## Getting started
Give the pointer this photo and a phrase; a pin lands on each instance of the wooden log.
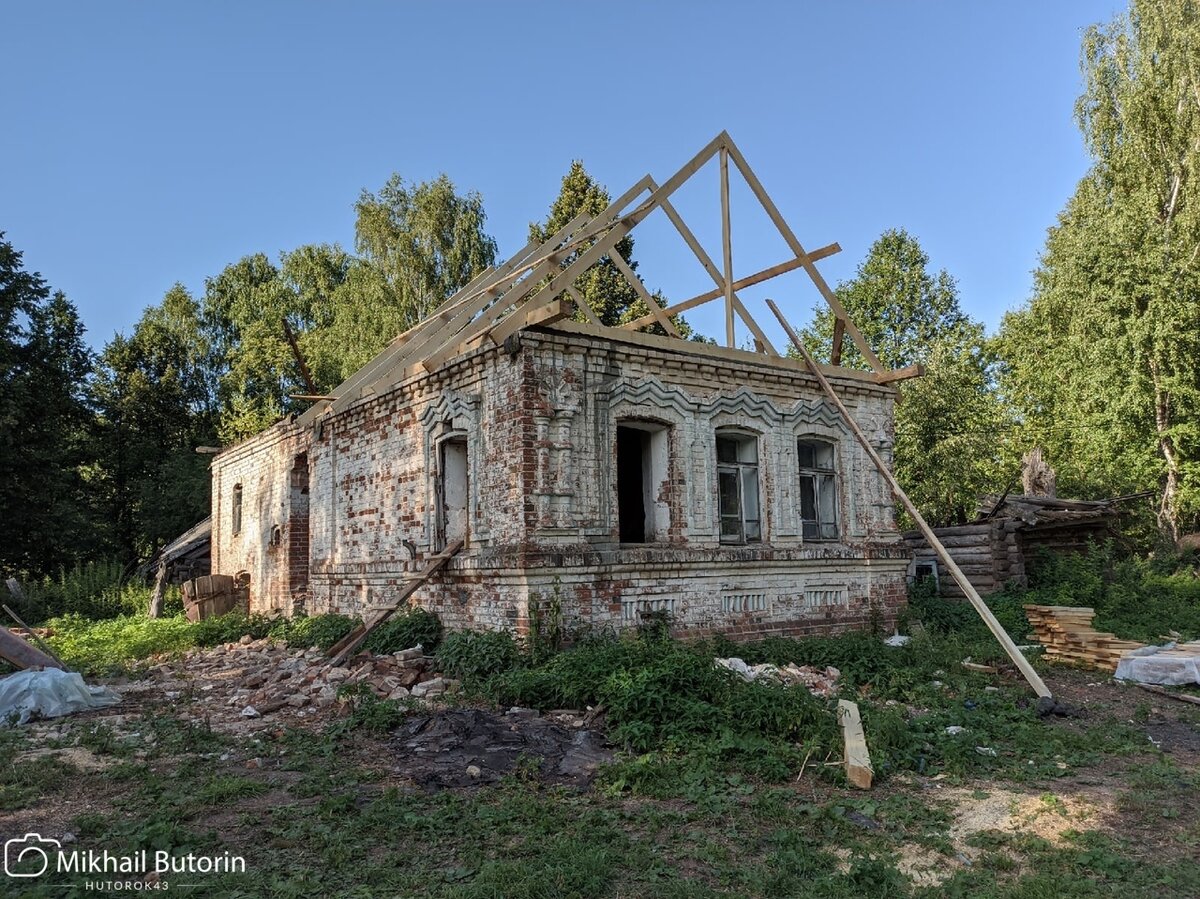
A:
(961, 530)
(159, 595)
(967, 540)
(29, 631)
(857, 759)
(42, 644)
(23, 654)
(839, 333)
(900, 374)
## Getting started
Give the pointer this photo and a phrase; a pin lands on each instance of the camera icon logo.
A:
(31, 853)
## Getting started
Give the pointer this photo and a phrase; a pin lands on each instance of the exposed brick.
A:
(542, 509)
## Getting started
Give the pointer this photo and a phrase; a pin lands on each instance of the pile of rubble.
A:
(256, 678)
(821, 682)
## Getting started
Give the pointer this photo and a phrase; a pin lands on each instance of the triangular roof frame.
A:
(536, 287)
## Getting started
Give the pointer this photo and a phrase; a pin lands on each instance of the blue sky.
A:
(149, 143)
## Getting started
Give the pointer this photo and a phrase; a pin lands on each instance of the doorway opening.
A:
(643, 512)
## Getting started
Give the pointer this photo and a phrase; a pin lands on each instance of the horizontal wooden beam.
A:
(717, 355)
(749, 281)
(900, 374)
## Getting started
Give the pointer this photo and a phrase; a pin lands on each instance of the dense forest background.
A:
(1100, 367)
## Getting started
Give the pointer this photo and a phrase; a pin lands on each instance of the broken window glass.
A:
(737, 488)
(818, 490)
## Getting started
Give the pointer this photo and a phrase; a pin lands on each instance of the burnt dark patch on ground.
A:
(472, 747)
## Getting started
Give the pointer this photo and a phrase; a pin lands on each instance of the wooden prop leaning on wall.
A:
(965, 585)
(344, 648)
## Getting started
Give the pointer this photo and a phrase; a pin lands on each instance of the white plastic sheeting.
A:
(48, 693)
(1159, 665)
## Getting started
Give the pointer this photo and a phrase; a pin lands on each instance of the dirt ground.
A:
(456, 750)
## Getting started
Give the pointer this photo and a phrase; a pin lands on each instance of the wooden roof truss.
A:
(537, 286)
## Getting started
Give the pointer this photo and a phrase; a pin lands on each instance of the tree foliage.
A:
(46, 515)
(1104, 363)
(602, 286)
(900, 307)
(947, 423)
(419, 244)
(425, 241)
(155, 401)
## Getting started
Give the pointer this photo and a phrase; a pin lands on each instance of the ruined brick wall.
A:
(540, 425)
(271, 544)
(582, 388)
(375, 469)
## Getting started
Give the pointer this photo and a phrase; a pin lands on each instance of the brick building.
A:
(594, 472)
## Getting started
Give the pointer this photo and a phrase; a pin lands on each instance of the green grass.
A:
(121, 643)
(701, 801)
(318, 819)
(97, 589)
(1135, 598)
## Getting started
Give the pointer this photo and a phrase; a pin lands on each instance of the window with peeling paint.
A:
(818, 490)
(737, 487)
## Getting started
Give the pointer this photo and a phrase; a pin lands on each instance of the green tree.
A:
(425, 240)
(418, 243)
(948, 422)
(155, 402)
(602, 286)
(243, 310)
(900, 307)
(953, 431)
(46, 518)
(1104, 362)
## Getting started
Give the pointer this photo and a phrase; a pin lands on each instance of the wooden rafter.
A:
(796, 247)
(582, 305)
(723, 285)
(636, 283)
(537, 286)
(749, 281)
(727, 246)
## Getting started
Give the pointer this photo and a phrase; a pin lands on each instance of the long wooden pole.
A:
(34, 637)
(965, 585)
(727, 247)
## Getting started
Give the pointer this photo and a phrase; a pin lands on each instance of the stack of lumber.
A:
(1068, 635)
